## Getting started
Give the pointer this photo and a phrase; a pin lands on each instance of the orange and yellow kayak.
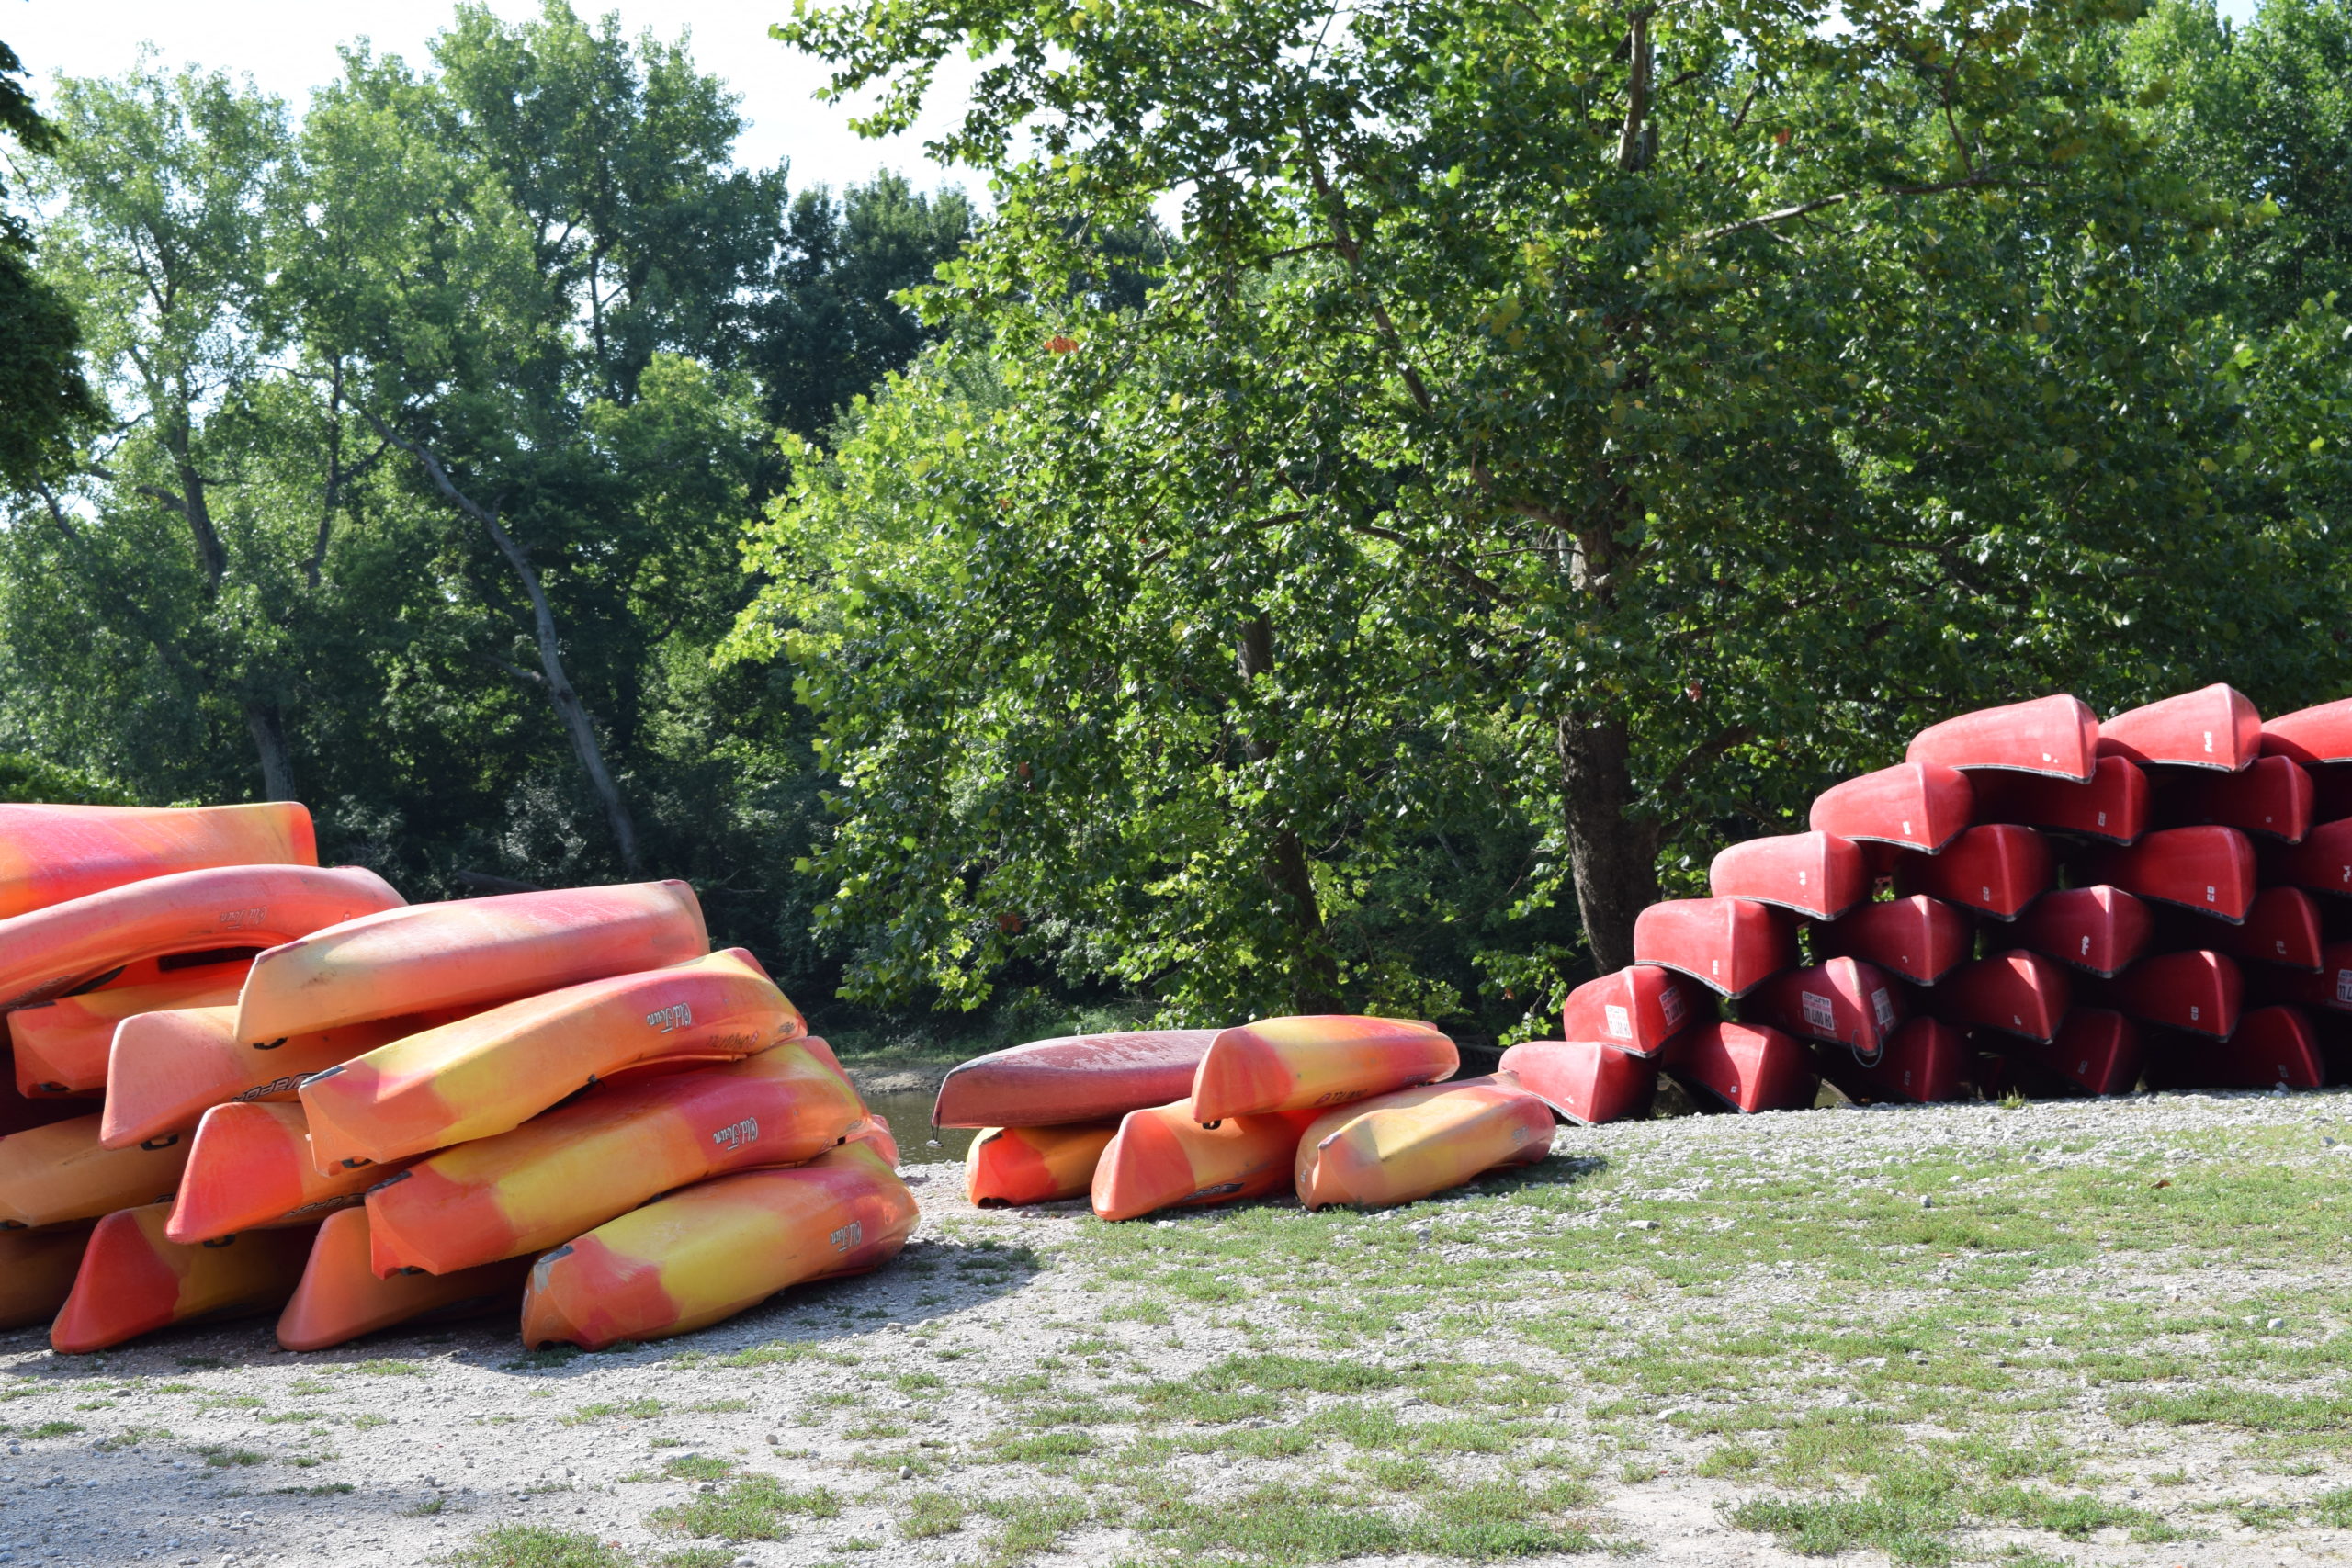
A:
(1396, 1148)
(1034, 1164)
(61, 1046)
(705, 1254)
(1164, 1159)
(50, 1175)
(494, 1071)
(134, 1280)
(37, 1270)
(341, 1298)
(876, 1135)
(1313, 1063)
(50, 951)
(617, 1147)
(50, 854)
(472, 952)
(249, 1167)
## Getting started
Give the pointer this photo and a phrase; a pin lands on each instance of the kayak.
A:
(2323, 862)
(1637, 1008)
(1164, 1157)
(1312, 1063)
(2312, 736)
(54, 950)
(2200, 992)
(2210, 870)
(37, 1270)
(2056, 736)
(2017, 992)
(52, 854)
(1395, 1148)
(51, 1175)
(2114, 807)
(249, 1167)
(2274, 797)
(1842, 1002)
(1816, 874)
(1914, 805)
(1750, 1067)
(496, 1069)
(472, 953)
(2274, 1047)
(1995, 868)
(1727, 944)
(18, 1112)
(1006, 1165)
(2097, 1049)
(134, 1280)
(339, 1297)
(2102, 930)
(61, 1046)
(615, 1147)
(701, 1256)
(873, 1132)
(1918, 938)
(1925, 1060)
(1074, 1077)
(2213, 726)
(1585, 1080)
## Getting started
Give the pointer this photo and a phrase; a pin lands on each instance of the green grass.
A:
(753, 1509)
(932, 1514)
(536, 1546)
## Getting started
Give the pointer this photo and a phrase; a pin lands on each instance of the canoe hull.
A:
(2274, 1047)
(2102, 931)
(2056, 736)
(62, 1046)
(2017, 992)
(249, 1167)
(2273, 798)
(2210, 870)
(1587, 1081)
(1638, 1008)
(2213, 728)
(1816, 874)
(1729, 945)
(2199, 992)
(2097, 1050)
(1914, 805)
(1842, 1002)
(1748, 1068)
(2313, 736)
(1076, 1078)
(1916, 938)
(2115, 805)
(1995, 869)
(1924, 1061)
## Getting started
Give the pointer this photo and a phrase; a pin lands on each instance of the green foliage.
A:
(32, 779)
(44, 400)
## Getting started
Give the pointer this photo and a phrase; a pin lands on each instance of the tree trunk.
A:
(267, 724)
(1613, 856)
(1317, 984)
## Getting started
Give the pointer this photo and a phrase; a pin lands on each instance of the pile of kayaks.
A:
(246, 1084)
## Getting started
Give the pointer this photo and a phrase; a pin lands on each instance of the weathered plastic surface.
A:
(249, 1167)
(1925, 1060)
(2199, 992)
(37, 1270)
(61, 1046)
(1074, 1077)
(1730, 945)
(2115, 807)
(2329, 986)
(2101, 929)
(2321, 862)
(1916, 806)
(1164, 1157)
(1750, 1067)
(51, 855)
(1638, 1008)
(2210, 870)
(1917, 938)
(2097, 1049)
(1816, 874)
(2057, 736)
(339, 1297)
(1006, 1165)
(1394, 1148)
(52, 1175)
(1316, 1062)
(1586, 1082)
(469, 954)
(2272, 798)
(1841, 1002)
(701, 1256)
(2312, 736)
(873, 1132)
(134, 1280)
(2274, 1047)
(1996, 869)
(19, 1112)
(2017, 992)
(2214, 727)
(2282, 926)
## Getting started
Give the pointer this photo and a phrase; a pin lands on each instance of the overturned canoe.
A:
(339, 1297)
(2210, 870)
(2282, 926)
(2321, 862)
(2017, 992)
(1394, 1148)
(701, 1256)
(1816, 874)
(1924, 1061)
(61, 1046)
(1638, 1008)
(1164, 1157)
(249, 1167)
(1074, 1077)
(2329, 987)
(50, 1175)
(471, 953)
(615, 1147)
(2213, 728)
(1914, 805)
(1006, 1165)
(2273, 798)
(1585, 1080)
(51, 855)
(2114, 806)
(1729, 945)
(135, 1279)
(2102, 930)
(2199, 992)
(1841, 1002)
(1750, 1067)
(2097, 1049)
(1916, 937)
(2312, 736)
(1315, 1062)
(1996, 869)
(37, 1270)
(2056, 736)
(2273, 1047)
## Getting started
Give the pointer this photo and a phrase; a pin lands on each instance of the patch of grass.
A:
(696, 1557)
(2334, 1509)
(382, 1369)
(219, 1456)
(636, 1409)
(131, 1438)
(1040, 1448)
(930, 1514)
(325, 1489)
(1286, 1524)
(427, 1509)
(753, 1509)
(1030, 1526)
(537, 1546)
(721, 1406)
(299, 1386)
(53, 1429)
(698, 1467)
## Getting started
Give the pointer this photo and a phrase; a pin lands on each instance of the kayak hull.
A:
(53, 1175)
(1638, 1008)
(52, 854)
(1842, 1002)
(2056, 736)
(2100, 930)
(339, 1298)
(1164, 1157)
(62, 1046)
(1729, 945)
(2213, 728)
(1994, 868)
(2017, 992)
(1916, 938)
(2210, 870)
(249, 1167)
(1587, 1081)
(1914, 805)
(37, 1270)
(1313, 1063)
(1395, 1148)
(1816, 874)
(134, 1280)
(1076, 1078)
(1750, 1067)
(1008, 1166)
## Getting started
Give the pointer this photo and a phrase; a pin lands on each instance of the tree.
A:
(43, 398)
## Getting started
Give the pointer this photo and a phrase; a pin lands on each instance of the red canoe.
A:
(2114, 806)
(2097, 1050)
(1918, 938)
(2102, 929)
(2200, 992)
(1843, 1002)
(2210, 870)
(1076, 1077)
(1727, 944)
(1584, 1080)
(2323, 862)
(1638, 1008)
(1918, 806)
(2056, 736)
(1925, 1060)
(2213, 726)
(2275, 1047)
(2017, 992)
(2282, 926)
(1817, 875)
(1745, 1066)
(2329, 987)
(2273, 798)
(1998, 868)
(2312, 736)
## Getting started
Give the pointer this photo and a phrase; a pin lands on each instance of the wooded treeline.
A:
(1553, 440)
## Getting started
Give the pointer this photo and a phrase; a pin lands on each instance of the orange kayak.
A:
(1396, 1148)
(341, 1298)
(1074, 1077)
(59, 1173)
(134, 1280)
(249, 1167)
(876, 1135)
(61, 1046)
(701, 1256)
(51, 951)
(617, 1147)
(50, 854)
(1034, 1164)
(494, 1071)
(37, 1270)
(1164, 1157)
(18, 1111)
(468, 953)
(1313, 1063)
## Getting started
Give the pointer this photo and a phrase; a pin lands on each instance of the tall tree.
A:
(43, 398)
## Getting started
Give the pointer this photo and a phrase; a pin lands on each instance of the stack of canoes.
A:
(266, 1087)
(1338, 1109)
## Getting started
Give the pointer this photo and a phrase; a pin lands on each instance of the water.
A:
(908, 1113)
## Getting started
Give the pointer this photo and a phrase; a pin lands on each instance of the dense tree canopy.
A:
(43, 398)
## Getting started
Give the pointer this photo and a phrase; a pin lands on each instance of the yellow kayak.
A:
(1164, 1159)
(340, 1298)
(249, 1167)
(61, 1046)
(37, 1270)
(1398, 1148)
(50, 1175)
(134, 1280)
(1314, 1063)
(1034, 1164)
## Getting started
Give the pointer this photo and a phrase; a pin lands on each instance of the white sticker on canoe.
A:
(1819, 1016)
(849, 1235)
(1620, 1023)
(1883, 1005)
(2208, 893)
(745, 1131)
(666, 1019)
(2209, 743)
(1670, 1002)
(2344, 986)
